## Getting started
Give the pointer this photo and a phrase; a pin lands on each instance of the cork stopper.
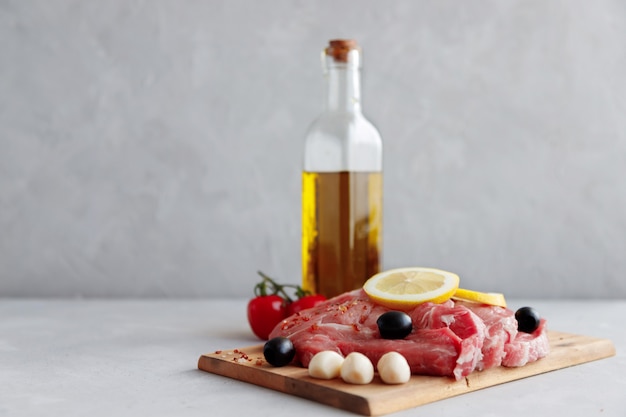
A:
(339, 49)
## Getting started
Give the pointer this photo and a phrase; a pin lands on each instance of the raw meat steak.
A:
(452, 338)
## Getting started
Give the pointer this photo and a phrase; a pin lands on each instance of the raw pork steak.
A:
(450, 339)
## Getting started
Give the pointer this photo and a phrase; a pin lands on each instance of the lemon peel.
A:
(490, 298)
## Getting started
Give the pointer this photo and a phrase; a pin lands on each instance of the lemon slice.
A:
(405, 288)
(491, 298)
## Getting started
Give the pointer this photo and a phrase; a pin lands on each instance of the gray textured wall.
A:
(153, 148)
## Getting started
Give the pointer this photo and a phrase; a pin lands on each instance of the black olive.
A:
(394, 325)
(279, 351)
(527, 319)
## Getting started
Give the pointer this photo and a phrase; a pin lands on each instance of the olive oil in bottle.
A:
(341, 184)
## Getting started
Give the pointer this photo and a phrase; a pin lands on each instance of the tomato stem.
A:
(261, 289)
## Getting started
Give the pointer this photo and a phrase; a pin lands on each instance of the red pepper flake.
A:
(314, 327)
(242, 359)
(356, 327)
(259, 362)
(217, 352)
(236, 350)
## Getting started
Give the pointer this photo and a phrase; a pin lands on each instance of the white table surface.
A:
(139, 357)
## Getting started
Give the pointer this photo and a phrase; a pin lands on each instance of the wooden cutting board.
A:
(247, 364)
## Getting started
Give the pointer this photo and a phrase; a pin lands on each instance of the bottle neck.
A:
(343, 88)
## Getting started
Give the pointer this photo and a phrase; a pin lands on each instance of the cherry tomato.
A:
(305, 302)
(264, 313)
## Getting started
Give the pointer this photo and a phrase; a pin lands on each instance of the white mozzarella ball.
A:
(393, 368)
(326, 365)
(357, 369)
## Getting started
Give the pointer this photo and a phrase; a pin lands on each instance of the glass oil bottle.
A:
(342, 183)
